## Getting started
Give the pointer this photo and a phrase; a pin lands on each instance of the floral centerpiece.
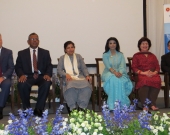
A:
(89, 123)
(122, 120)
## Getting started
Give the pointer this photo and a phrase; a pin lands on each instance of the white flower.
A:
(100, 128)
(100, 120)
(9, 121)
(99, 117)
(155, 131)
(83, 133)
(77, 125)
(161, 128)
(167, 122)
(72, 120)
(155, 117)
(96, 120)
(79, 130)
(2, 132)
(88, 115)
(96, 130)
(107, 129)
(165, 115)
(89, 127)
(64, 123)
(151, 127)
(83, 124)
(97, 124)
(163, 119)
(65, 119)
(37, 119)
(94, 133)
(72, 125)
(85, 129)
(80, 120)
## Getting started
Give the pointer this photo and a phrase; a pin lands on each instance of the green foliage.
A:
(31, 131)
(134, 126)
(49, 127)
(2, 127)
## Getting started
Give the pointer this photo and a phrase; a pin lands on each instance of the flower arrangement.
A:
(122, 120)
(160, 125)
(89, 123)
(125, 121)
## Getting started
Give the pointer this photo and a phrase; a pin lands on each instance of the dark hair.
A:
(31, 35)
(68, 43)
(142, 40)
(107, 44)
(168, 42)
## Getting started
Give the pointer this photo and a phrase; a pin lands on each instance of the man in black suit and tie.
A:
(6, 70)
(165, 61)
(33, 67)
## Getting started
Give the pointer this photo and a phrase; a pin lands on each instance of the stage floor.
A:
(7, 110)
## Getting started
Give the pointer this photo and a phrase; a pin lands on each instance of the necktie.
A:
(35, 65)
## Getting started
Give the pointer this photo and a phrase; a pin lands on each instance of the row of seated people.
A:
(72, 68)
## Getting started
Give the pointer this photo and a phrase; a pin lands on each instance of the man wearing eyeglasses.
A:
(33, 67)
(6, 70)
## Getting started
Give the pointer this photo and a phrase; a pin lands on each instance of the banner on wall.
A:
(166, 25)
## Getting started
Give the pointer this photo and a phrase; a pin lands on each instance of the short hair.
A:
(107, 44)
(31, 35)
(68, 43)
(142, 40)
(167, 43)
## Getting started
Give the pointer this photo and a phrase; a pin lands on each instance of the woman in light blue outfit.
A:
(117, 84)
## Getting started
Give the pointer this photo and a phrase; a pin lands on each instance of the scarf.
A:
(69, 68)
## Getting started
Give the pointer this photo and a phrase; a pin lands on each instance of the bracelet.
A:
(139, 72)
(156, 72)
(112, 70)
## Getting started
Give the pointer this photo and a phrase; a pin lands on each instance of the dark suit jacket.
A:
(6, 61)
(165, 63)
(24, 66)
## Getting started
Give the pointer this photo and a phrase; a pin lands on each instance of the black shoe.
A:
(1, 115)
(38, 112)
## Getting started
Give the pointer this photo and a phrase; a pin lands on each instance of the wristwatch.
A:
(4, 77)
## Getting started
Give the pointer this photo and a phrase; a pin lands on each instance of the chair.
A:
(14, 81)
(51, 95)
(164, 83)
(100, 92)
(134, 79)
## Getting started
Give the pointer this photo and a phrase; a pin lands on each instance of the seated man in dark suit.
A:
(6, 70)
(165, 61)
(33, 67)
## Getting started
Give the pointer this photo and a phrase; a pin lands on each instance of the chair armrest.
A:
(133, 76)
(98, 80)
(166, 78)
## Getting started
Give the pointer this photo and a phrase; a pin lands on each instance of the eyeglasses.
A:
(34, 39)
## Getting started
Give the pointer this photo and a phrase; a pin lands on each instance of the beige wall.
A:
(88, 23)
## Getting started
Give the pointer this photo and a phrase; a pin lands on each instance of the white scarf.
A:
(69, 68)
